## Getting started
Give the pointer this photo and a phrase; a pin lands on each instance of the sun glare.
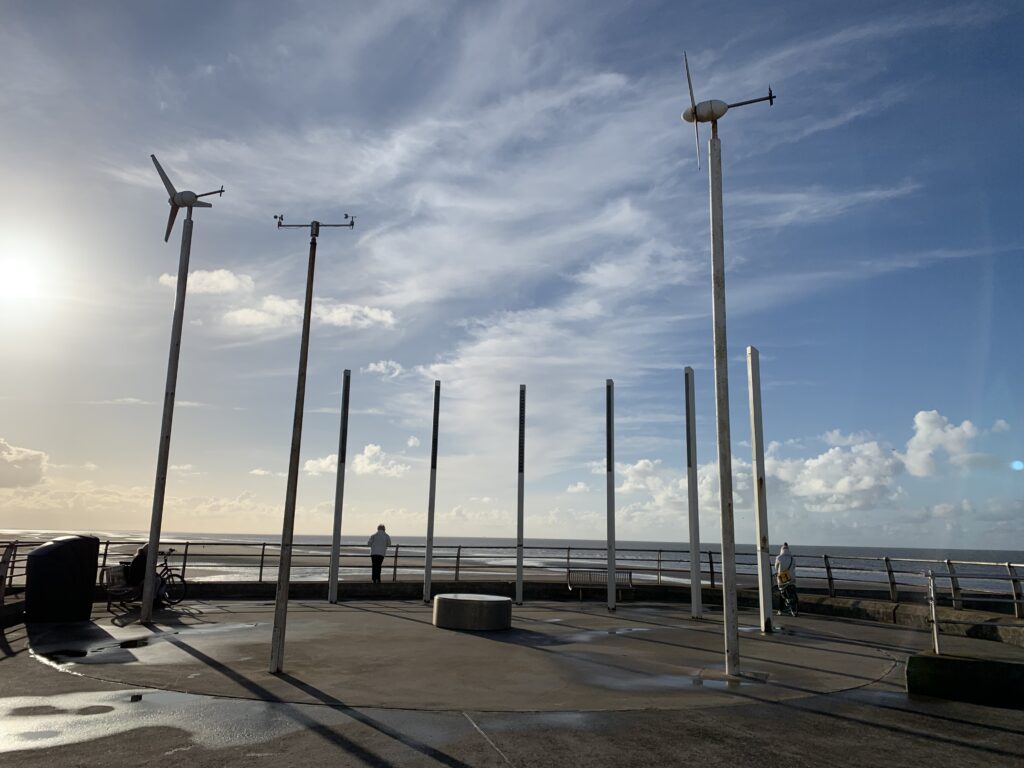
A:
(19, 281)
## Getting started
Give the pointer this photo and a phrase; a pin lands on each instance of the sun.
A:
(19, 281)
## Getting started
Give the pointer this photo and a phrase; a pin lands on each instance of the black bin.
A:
(60, 578)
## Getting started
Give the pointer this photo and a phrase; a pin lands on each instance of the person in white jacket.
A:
(785, 576)
(378, 544)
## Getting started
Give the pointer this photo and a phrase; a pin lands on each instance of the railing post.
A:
(14, 563)
(263, 553)
(1018, 606)
(954, 586)
(184, 560)
(568, 563)
(828, 575)
(894, 596)
(458, 561)
(935, 619)
(106, 546)
(659, 566)
(711, 567)
(394, 567)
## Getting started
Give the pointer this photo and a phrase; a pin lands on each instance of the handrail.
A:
(969, 581)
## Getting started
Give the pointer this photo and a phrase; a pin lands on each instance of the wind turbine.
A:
(177, 200)
(711, 112)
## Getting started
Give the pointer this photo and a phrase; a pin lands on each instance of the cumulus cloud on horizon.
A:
(21, 467)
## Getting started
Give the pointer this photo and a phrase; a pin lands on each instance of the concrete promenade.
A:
(374, 683)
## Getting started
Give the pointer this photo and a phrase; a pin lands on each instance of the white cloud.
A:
(90, 466)
(578, 487)
(933, 431)
(20, 467)
(211, 281)
(1001, 425)
(120, 401)
(843, 478)
(374, 461)
(413, 442)
(371, 461)
(322, 466)
(267, 473)
(273, 312)
(388, 369)
(836, 437)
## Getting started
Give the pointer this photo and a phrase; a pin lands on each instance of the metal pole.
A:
(285, 562)
(764, 560)
(339, 493)
(933, 612)
(696, 599)
(610, 449)
(429, 553)
(519, 513)
(156, 520)
(732, 639)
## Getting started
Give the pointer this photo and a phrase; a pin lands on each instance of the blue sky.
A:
(529, 211)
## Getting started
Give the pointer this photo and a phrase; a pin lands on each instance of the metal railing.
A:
(933, 605)
(962, 583)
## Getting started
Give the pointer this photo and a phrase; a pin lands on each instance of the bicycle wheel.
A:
(174, 588)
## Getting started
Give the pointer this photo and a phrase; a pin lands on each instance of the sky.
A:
(529, 210)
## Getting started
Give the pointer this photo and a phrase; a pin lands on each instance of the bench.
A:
(581, 579)
(117, 588)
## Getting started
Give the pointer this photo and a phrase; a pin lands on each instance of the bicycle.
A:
(171, 586)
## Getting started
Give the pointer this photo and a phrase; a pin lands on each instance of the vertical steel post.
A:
(764, 559)
(730, 629)
(696, 598)
(828, 575)
(519, 506)
(288, 528)
(954, 586)
(429, 552)
(164, 452)
(933, 612)
(610, 486)
(339, 491)
(458, 561)
(263, 555)
(184, 560)
(1018, 606)
(894, 594)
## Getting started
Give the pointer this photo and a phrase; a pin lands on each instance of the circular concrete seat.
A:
(480, 612)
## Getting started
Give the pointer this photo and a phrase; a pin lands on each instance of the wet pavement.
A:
(374, 683)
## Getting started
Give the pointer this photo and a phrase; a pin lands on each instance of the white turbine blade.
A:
(693, 106)
(170, 221)
(689, 84)
(171, 191)
(696, 140)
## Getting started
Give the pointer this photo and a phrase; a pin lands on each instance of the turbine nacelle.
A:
(711, 111)
(183, 199)
(707, 111)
